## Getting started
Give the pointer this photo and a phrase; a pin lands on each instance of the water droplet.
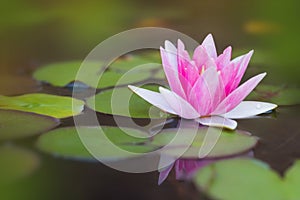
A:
(161, 114)
(258, 106)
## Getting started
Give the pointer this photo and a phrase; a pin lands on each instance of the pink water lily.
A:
(205, 87)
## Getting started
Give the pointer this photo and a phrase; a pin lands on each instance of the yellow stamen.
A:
(202, 70)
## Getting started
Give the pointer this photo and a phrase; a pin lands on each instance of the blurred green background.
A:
(39, 32)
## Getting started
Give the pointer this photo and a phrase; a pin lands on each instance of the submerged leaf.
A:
(16, 163)
(276, 94)
(44, 104)
(16, 124)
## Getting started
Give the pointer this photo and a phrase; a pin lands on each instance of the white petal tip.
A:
(217, 121)
(248, 109)
(133, 88)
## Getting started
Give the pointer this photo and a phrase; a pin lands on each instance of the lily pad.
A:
(16, 163)
(276, 94)
(160, 74)
(220, 143)
(292, 181)
(61, 74)
(131, 61)
(45, 104)
(67, 142)
(240, 178)
(123, 102)
(17, 124)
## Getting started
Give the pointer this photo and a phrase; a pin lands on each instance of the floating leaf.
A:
(221, 143)
(112, 78)
(68, 142)
(292, 181)
(160, 74)
(45, 104)
(61, 74)
(129, 62)
(240, 178)
(16, 163)
(275, 94)
(124, 103)
(17, 124)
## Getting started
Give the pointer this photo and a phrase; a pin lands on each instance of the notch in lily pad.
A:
(244, 178)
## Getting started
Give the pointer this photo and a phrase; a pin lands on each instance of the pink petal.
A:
(187, 70)
(242, 69)
(248, 109)
(224, 59)
(183, 57)
(164, 174)
(170, 55)
(179, 105)
(217, 121)
(154, 98)
(210, 47)
(233, 72)
(202, 59)
(207, 92)
(236, 97)
(171, 71)
(184, 169)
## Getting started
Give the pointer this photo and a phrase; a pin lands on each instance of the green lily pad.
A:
(124, 103)
(61, 74)
(17, 124)
(240, 178)
(16, 163)
(67, 142)
(292, 181)
(45, 104)
(276, 94)
(220, 143)
(160, 74)
(129, 62)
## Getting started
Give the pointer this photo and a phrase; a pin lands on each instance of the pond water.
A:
(38, 33)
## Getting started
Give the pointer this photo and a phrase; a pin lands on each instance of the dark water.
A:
(59, 178)
(34, 33)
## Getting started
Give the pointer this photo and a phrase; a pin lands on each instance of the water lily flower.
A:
(205, 87)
